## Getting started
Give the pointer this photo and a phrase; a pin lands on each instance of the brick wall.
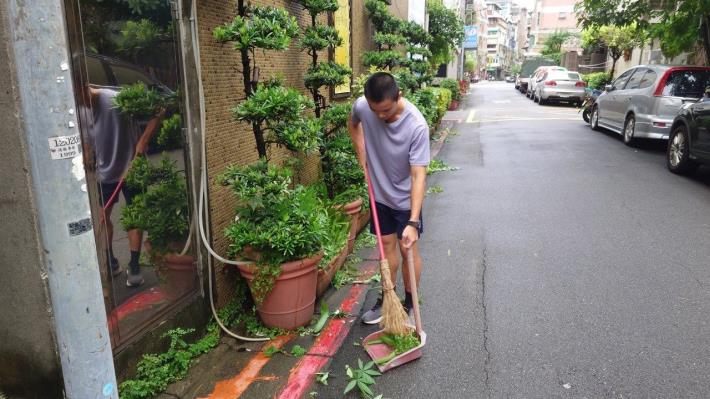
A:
(230, 142)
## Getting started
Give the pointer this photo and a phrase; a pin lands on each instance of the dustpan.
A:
(381, 350)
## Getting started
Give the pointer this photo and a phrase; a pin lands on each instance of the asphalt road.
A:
(559, 263)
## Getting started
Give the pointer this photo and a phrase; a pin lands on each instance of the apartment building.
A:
(498, 41)
(550, 16)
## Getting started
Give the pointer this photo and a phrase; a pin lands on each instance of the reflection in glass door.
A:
(127, 80)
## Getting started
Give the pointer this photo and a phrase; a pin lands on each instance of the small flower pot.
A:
(353, 209)
(171, 260)
(325, 276)
(290, 303)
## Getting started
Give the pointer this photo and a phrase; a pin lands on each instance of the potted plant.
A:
(280, 229)
(453, 86)
(161, 209)
(335, 248)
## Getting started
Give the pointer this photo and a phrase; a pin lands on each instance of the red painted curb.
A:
(325, 346)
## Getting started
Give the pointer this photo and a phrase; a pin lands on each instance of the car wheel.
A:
(585, 115)
(677, 156)
(629, 127)
(541, 101)
(594, 119)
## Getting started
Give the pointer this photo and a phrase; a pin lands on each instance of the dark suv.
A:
(689, 141)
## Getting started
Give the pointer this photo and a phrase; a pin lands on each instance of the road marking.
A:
(471, 115)
(501, 101)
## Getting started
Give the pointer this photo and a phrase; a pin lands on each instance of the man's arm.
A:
(358, 137)
(410, 234)
(148, 132)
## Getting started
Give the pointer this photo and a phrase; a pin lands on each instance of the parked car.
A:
(558, 85)
(644, 100)
(537, 77)
(689, 141)
(528, 69)
(510, 79)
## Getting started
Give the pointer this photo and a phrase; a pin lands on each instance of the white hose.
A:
(203, 181)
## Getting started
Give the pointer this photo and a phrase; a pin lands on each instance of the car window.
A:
(563, 75)
(620, 82)
(635, 80)
(648, 79)
(687, 83)
(97, 72)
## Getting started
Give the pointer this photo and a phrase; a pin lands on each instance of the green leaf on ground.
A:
(434, 190)
(298, 351)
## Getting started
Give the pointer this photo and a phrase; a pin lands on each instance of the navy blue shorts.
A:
(106, 190)
(394, 221)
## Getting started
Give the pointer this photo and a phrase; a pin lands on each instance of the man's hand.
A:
(410, 235)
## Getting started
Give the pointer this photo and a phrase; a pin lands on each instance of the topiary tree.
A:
(274, 112)
(387, 37)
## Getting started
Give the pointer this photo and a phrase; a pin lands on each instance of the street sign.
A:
(471, 36)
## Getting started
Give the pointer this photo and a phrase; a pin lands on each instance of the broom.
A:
(394, 318)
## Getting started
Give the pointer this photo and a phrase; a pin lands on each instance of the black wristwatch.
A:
(414, 223)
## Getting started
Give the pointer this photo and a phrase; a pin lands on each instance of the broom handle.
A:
(413, 287)
(375, 220)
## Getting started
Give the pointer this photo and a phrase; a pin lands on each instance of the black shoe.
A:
(374, 315)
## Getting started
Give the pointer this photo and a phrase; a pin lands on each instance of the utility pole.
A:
(52, 167)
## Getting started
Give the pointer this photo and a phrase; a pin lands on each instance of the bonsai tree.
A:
(387, 37)
(275, 221)
(317, 38)
(418, 41)
(273, 110)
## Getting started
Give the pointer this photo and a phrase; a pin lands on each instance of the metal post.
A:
(63, 216)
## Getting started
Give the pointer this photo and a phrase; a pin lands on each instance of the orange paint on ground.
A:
(235, 387)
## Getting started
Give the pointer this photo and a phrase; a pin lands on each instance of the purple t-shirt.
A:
(391, 149)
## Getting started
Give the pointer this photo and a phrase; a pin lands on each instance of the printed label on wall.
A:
(62, 147)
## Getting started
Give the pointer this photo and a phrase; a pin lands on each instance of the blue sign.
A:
(471, 36)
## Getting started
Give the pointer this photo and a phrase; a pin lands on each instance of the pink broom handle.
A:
(375, 219)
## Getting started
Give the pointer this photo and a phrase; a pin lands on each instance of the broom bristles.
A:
(394, 318)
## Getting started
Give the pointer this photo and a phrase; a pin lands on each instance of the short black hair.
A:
(381, 86)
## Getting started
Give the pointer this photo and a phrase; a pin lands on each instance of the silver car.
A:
(642, 101)
(560, 85)
(536, 78)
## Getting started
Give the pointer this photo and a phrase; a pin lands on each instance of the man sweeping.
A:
(391, 139)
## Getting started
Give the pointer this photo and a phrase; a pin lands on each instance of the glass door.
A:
(127, 81)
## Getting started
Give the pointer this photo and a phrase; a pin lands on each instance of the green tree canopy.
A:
(446, 29)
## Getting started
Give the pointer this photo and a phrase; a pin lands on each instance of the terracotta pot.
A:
(353, 209)
(325, 276)
(289, 305)
(171, 260)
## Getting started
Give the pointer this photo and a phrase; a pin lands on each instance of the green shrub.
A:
(170, 135)
(138, 101)
(453, 86)
(597, 80)
(161, 208)
(326, 74)
(425, 100)
(443, 100)
(320, 37)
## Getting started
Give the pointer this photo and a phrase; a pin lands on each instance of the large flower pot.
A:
(289, 304)
(353, 209)
(325, 276)
(453, 106)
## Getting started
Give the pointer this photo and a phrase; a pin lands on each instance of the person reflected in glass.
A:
(116, 140)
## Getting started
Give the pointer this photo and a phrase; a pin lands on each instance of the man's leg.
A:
(392, 255)
(135, 242)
